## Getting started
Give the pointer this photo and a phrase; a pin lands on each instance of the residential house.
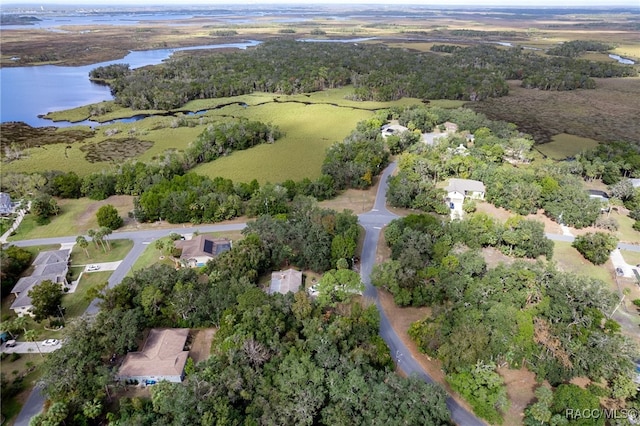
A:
(6, 205)
(392, 129)
(199, 250)
(162, 358)
(450, 127)
(285, 281)
(50, 265)
(460, 189)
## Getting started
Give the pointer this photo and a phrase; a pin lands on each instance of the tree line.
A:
(376, 72)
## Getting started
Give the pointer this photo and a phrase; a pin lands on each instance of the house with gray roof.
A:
(51, 265)
(460, 189)
(285, 281)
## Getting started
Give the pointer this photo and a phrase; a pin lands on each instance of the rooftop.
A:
(162, 355)
(285, 281)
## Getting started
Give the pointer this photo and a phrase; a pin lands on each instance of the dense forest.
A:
(377, 73)
(523, 314)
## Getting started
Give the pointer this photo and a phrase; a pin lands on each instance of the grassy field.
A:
(76, 218)
(119, 249)
(75, 303)
(626, 233)
(631, 257)
(26, 367)
(565, 146)
(569, 259)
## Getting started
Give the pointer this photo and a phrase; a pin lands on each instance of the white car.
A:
(51, 342)
(93, 267)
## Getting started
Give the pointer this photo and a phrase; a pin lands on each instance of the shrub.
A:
(595, 247)
(108, 216)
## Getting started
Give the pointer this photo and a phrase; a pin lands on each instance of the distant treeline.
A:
(480, 33)
(377, 73)
(574, 48)
(18, 20)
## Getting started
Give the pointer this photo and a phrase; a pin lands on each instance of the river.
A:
(27, 92)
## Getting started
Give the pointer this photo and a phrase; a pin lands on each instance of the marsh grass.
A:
(564, 146)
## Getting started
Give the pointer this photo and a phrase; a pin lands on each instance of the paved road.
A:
(373, 222)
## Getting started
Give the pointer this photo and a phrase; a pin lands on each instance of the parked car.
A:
(51, 342)
(93, 267)
(619, 271)
(11, 343)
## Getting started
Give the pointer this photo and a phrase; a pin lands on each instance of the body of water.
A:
(27, 92)
(622, 60)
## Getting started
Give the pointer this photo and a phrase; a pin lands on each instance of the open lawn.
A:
(119, 249)
(76, 303)
(569, 259)
(308, 132)
(631, 257)
(76, 218)
(626, 233)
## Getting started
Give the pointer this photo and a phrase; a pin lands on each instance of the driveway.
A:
(104, 266)
(28, 348)
(619, 263)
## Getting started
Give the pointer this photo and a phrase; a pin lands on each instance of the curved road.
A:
(373, 222)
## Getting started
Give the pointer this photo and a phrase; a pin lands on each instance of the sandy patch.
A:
(122, 203)
(201, 344)
(520, 387)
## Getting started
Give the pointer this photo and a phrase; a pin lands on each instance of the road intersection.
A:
(373, 222)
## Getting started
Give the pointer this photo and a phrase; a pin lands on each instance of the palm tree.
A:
(83, 244)
(104, 232)
(31, 336)
(92, 234)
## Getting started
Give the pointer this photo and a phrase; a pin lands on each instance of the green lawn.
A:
(631, 257)
(119, 249)
(563, 146)
(568, 259)
(26, 366)
(75, 303)
(72, 220)
(626, 233)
